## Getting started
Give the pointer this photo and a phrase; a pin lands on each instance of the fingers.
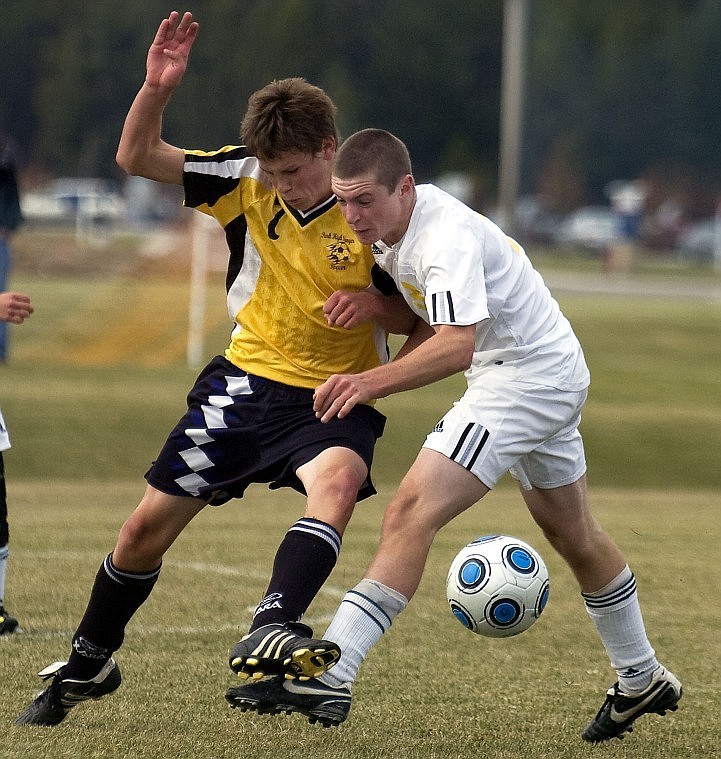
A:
(341, 310)
(176, 29)
(333, 307)
(16, 308)
(340, 317)
(186, 23)
(166, 29)
(320, 397)
(339, 407)
(335, 397)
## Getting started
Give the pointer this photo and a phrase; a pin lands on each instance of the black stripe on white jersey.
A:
(470, 445)
(442, 304)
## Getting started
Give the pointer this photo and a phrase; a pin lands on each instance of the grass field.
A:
(431, 689)
(87, 412)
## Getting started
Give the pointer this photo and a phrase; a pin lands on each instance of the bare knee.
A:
(569, 526)
(589, 551)
(333, 494)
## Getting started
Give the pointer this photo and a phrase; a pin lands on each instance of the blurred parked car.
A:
(73, 200)
(535, 223)
(698, 241)
(591, 227)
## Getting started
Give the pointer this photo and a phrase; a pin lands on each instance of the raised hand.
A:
(169, 51)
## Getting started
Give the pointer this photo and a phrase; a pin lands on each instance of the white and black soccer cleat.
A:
(620, 710)
(63, 694)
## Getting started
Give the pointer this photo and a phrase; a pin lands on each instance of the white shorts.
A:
(502, 424)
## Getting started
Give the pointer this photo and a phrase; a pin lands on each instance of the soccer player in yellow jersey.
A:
(295, 272)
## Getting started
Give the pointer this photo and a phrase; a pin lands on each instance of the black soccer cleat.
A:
(282, 649)
(8, 623)
(53, 704)
(620, 711)
(319, 702)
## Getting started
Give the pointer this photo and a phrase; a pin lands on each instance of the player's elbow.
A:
(464, 356)
(124, 160)
(462, 345)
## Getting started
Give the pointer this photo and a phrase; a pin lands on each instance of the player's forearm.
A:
(420, 333)
(436, 358)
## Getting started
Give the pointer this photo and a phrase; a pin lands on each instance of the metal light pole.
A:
(515, 15)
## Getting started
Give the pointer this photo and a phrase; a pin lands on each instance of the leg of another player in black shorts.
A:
(276, 643)
(121, 586)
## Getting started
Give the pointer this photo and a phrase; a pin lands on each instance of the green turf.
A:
(87, 416)
(430, 689)
(98, 376)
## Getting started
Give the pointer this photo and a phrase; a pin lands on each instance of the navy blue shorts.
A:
(241, 429)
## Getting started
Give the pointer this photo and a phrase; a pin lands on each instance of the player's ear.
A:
(328, 148)
(406, 186)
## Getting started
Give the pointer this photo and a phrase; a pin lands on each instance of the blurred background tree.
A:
(614, 90)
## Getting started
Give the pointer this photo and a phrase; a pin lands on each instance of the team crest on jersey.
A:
(339, 250)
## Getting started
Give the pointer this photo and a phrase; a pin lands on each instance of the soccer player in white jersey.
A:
(250, 415)
(494, 319)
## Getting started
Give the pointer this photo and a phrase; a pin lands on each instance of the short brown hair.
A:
(375, 151)
(288, 115)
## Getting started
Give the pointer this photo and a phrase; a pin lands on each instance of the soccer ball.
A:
(497, 586)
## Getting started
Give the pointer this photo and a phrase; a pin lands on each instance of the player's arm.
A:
(448, 351)
(381, 303)
(349, 309)
(141, 150)
(420, 333)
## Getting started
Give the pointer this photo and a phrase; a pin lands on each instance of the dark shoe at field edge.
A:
(8, 623)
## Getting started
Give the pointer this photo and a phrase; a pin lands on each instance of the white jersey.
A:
(455, 266)
(4, 437)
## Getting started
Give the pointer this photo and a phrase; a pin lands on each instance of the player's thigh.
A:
(558, 508)
(501, 420)
(434, 491)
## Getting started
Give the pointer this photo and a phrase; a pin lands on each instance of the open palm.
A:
(169, 52)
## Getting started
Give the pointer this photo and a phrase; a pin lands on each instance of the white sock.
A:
(616, 614)
(3, 566)
(364, 614)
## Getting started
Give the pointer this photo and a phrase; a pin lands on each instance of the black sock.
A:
(305, 558)
(115, 597)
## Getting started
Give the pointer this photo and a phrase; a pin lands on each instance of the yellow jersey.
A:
(283, 266)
